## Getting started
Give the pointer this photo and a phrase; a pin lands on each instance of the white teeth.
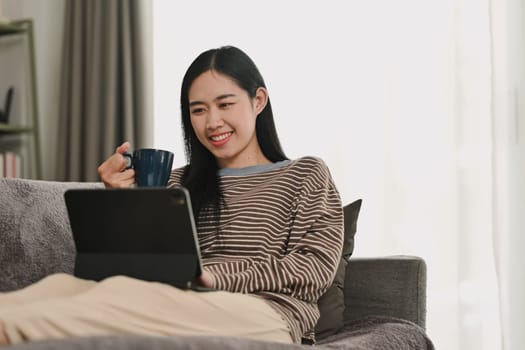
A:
(220, 137)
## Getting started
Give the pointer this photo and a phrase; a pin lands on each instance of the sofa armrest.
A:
(35, 236)
(391, 286)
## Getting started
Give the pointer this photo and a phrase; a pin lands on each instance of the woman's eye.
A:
(197, 111)
(225, 104)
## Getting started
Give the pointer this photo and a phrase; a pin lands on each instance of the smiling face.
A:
(223, 117)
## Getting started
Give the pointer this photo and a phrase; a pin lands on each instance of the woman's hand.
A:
(206, 279)
(113, 171)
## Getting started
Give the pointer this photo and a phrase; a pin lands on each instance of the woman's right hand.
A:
(113, 171)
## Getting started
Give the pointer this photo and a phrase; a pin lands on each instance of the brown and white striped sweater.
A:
(280, 237)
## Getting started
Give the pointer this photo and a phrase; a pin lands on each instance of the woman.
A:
(270, 230)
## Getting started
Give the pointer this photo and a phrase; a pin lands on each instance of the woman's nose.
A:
(214, 120)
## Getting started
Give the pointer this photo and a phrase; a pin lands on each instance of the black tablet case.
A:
(145, 233)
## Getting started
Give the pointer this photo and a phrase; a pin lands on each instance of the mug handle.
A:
(129, 160)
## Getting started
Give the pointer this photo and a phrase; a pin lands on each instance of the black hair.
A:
(200, 174)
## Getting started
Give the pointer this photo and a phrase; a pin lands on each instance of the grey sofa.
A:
(384, 298)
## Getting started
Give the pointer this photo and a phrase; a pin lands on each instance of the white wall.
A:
(340, 80)
(48, 23)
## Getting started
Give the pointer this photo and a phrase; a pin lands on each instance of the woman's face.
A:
(223, 117)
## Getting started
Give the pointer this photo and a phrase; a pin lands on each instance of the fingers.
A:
(123, 148)
(113, 170)
(122, 179)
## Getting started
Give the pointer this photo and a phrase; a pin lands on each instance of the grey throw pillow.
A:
(332, 303)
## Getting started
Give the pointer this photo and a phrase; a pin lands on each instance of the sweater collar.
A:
(254, 169)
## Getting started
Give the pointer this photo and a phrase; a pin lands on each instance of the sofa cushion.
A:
(332, 303)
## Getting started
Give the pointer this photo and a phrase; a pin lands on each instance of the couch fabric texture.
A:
(35, 241)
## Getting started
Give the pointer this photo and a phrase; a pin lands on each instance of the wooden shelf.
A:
(22, 136)
(14, 129)
(12, 28)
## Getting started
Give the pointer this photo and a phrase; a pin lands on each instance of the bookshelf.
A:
(19, 135)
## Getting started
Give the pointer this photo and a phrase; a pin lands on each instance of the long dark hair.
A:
(200, 175)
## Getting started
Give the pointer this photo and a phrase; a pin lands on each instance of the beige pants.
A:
(62, 306)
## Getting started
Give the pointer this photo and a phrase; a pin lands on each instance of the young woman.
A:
(270, 230)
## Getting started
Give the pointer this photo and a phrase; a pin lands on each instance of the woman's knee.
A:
(63, 281)
(120, 282)
(58, 277)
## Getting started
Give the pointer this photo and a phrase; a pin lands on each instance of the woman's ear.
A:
(260, 99)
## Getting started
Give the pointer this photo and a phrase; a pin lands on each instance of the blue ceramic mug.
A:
(152, 166)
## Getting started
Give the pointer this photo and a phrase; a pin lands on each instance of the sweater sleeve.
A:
(308, 267)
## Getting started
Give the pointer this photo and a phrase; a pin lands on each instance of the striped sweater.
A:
(280, 237)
